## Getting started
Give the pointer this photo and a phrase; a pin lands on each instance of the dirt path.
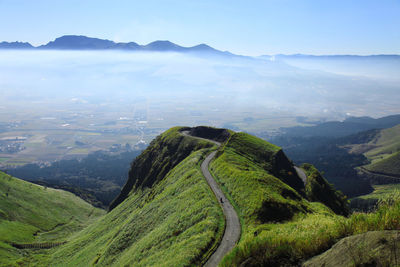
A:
(232, 226)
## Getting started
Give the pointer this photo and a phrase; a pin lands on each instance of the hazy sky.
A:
(244, 27)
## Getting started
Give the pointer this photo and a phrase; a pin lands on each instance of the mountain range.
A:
(79, 42)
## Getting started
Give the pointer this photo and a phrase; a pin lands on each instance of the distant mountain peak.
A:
(203, 47)
(78, 42)
(163, 45)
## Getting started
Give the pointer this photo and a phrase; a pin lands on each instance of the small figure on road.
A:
(221, 200)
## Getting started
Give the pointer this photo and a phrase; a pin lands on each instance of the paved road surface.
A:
(232, 223)
(232, 227)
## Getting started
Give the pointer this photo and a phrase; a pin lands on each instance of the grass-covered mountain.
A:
(33, 214)
(167, 215)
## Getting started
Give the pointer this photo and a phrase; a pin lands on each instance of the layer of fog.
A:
(380, 67)
(170, 79)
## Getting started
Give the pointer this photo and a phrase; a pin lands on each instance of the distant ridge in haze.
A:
(80, 42)
(15, 45)
(305, 56)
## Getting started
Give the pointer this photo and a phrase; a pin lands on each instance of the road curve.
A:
(232, 226)
(232, 223)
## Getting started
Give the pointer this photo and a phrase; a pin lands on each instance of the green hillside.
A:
(167, 215)
(389, 165)
(385, 143)
(162, 155)
(174, 222)
(31, 213)
(244, 167)
(265, 188)
(382, 151)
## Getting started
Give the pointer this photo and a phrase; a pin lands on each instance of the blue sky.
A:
(243, 27)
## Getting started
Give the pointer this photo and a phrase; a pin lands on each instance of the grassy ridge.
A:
(161, 156)
(389, 165)
(259, 196)
(246, 167)
(251, 187)
(31, 213)
(174, 223)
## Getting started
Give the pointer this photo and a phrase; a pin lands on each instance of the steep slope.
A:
(31, 214)
(167, 216)
(254, 173)
(263, 184)
(161, 156)
(318, 189)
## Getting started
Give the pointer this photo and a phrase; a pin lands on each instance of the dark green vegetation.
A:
(318, 189)
(169, 217)
(97, 178)
(340, 156)
(329, 156)
(33, 214)
(375, 248)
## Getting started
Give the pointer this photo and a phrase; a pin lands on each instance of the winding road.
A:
(232, 223)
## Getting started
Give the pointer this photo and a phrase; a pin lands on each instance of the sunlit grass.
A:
(174, 223)
(310, 234)
(32, 213)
